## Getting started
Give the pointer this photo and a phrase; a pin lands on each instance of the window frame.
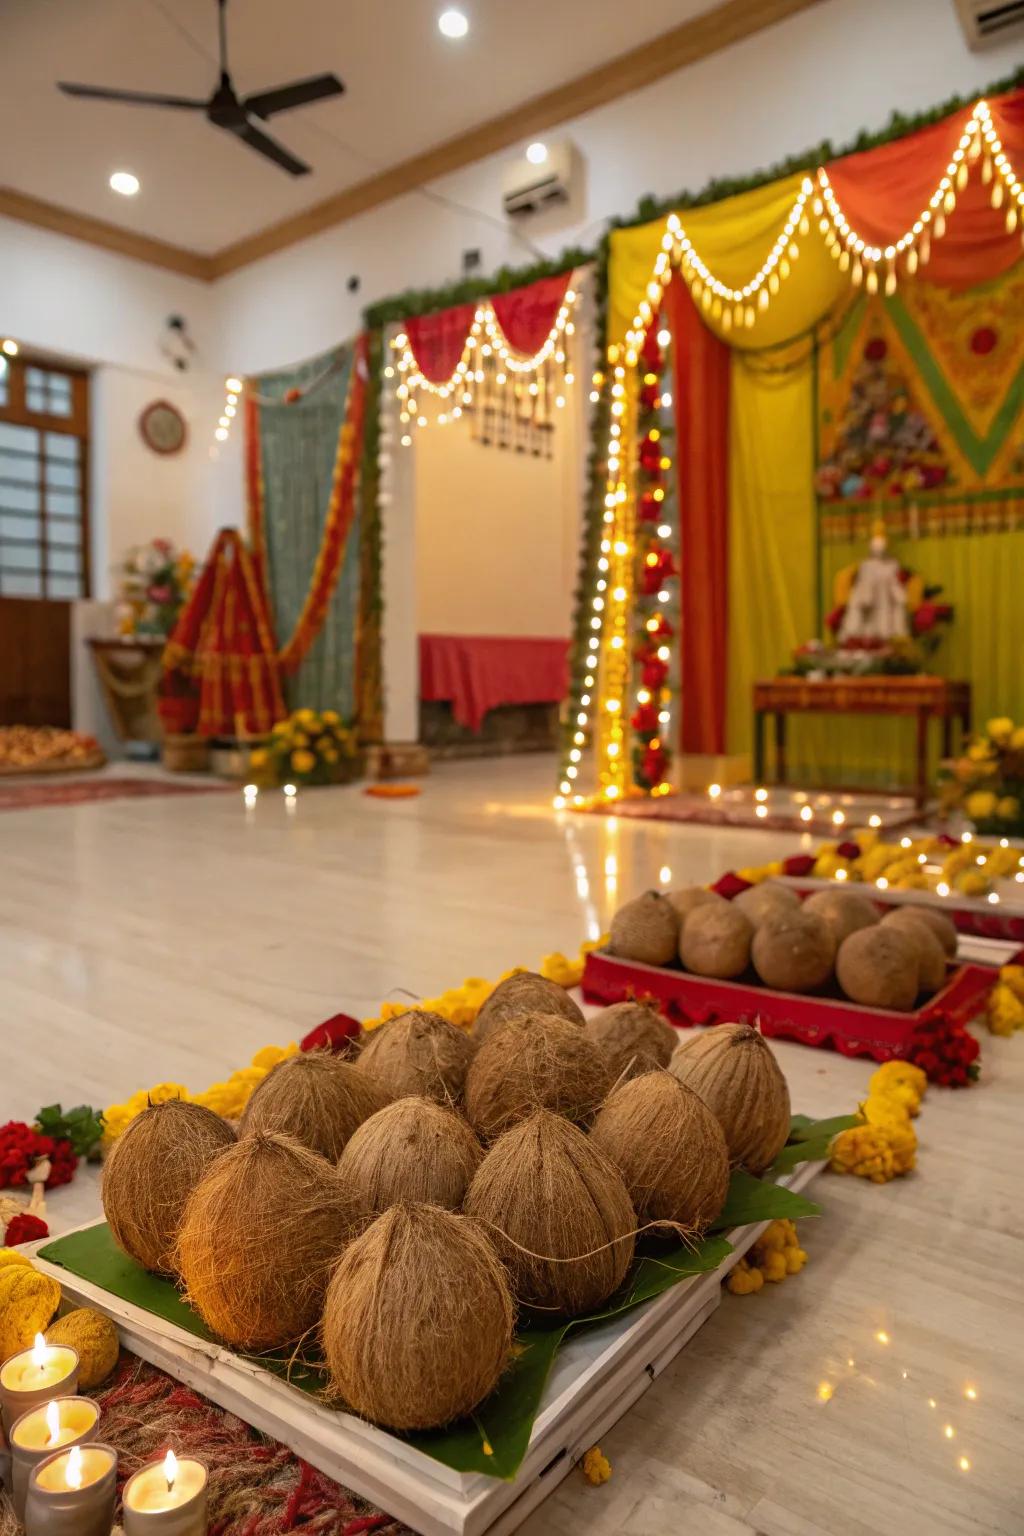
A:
(16, 412)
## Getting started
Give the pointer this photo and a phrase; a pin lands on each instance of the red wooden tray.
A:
(847, 1027)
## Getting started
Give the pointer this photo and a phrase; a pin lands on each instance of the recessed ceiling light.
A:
(537, 153)
(10, 346)
(125, 183)
(453, 23)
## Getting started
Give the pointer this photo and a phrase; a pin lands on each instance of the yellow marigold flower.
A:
(882, 1109)
(972, 882)
(980, 752)
(1005, 1012)
(517, 970)
(270, 1055)
(744, 1279)
(826, 865)
(1000, 729)
(1008, 808)
(959, 859)
(1017, 739)
(597, 1469)
(259, 758)
(773, 1267)
(1013, 976)
(553, 966)
(864, 1151)
(903, 1146)
(981, 804)
(165, 1091)
(331, 717)
(303, 761)
(795, 1258)
(899, 1075)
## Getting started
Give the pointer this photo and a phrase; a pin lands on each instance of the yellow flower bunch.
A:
(776, 1255)
(1004, 1013)
(228, 1098)
(595, 1466)
(308, 745)
(901, 867)
(902, 1081)
(884, 1146)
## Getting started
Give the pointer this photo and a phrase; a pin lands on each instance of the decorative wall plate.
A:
(163, 427)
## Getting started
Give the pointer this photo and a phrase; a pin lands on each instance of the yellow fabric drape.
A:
(733, 237)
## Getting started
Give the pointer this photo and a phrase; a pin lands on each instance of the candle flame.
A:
(39, 1351)
(170, 1469)
(52, 1422)
(73, 1475)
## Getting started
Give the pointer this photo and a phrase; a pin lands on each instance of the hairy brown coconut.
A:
(879, 967)
(315, 1097)
(766, 900)
(417, 1324)
(793, 951)
(687, 897)
(151, 1171)
(540, 1062)
(520, 995)
(557, 1212)
(417, 1053)
(941, 925)
(260, 1234)
(630, 1033)
(669, 1149)
(931, 957)
(842, 912)
(645, 929)
(413, 1149)
(715, 941)
(732, 1068)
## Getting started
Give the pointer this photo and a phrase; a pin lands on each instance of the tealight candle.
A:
(72, 1493)
(167, 1497)
(62, 1422)
(34, 1376)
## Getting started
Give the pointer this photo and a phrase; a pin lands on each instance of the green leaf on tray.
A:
(494, 1440)
(81, 1126)
(802, 1128)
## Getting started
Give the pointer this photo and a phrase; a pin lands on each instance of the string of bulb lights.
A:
(232, 393)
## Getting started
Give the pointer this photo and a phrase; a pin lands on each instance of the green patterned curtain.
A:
(298, 445)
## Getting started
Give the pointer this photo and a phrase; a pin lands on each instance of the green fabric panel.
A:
(298, 445)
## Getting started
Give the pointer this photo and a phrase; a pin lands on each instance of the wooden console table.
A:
(925, 698)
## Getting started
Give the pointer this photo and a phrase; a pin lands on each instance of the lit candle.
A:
(72, 1493)
(36, 1375)
(62, 1422)
(167, 1498)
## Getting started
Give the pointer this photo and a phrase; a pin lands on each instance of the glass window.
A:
(43, 543)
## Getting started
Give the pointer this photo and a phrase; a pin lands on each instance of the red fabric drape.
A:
(526, 315)
(883, 190)
(700, 367)
(476, 673)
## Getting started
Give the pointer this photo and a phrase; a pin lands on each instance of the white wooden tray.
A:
(596, 1376)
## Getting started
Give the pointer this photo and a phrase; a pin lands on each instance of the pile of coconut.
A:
(390, 1215)
(836, 941)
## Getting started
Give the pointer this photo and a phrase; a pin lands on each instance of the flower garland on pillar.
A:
(654, 565)
(613, 603)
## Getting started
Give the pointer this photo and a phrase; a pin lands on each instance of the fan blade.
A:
(298, 94)
(273, 151)
(139, 98)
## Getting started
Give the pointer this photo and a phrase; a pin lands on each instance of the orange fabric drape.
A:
(701, 386)
(883, 190)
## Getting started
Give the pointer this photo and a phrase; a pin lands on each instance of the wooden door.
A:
(35, 661)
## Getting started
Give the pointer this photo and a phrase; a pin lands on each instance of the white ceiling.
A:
(407, 88)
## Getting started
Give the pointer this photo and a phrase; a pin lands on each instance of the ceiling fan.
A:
(227, 110)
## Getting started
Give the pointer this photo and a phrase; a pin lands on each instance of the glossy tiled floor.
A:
(169, 939)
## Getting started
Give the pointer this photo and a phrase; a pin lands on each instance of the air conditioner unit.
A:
(528, 187)
(989, 22)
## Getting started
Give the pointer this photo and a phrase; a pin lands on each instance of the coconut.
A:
(417, 1053)
(557, 1213)
(879, 967)
(733, 1070)
(766, 900)
(151, 1171)
(669, 1149)
(715, 941)
(520, 994)
(842, 912)
(690, 896)
(260, 1233)
(315, 1097)
(413, 1149)
(943, 927)
(931, 957)
(793, 951)
(645, 929)
(629, 1033)
(417, 1325)
(540, 1062)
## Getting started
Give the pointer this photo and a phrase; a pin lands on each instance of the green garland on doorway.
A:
(370, 672)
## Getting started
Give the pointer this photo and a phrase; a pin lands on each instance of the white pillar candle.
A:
(72, 1493)
(35, 1376)
(53, 1426)
(167, 1498)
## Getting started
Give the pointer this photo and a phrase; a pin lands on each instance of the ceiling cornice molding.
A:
(686, 44)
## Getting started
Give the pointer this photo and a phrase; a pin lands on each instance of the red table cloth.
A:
(479, 672)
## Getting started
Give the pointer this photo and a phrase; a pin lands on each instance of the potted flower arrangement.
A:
(987, 782)
(310, 747)
(154, 581)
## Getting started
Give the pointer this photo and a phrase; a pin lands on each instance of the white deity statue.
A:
(877, 606)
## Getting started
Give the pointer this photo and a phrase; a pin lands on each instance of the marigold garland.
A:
(775, 1256)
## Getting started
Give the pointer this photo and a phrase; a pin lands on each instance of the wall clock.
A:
(163, 428)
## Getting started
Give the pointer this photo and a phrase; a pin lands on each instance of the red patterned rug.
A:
(740, 809)
(26, 797)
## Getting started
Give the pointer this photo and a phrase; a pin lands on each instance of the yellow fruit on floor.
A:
(14, 1256)
(28, 1300)
(94, 1337)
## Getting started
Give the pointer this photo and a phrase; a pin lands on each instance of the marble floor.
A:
(876, 1393)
